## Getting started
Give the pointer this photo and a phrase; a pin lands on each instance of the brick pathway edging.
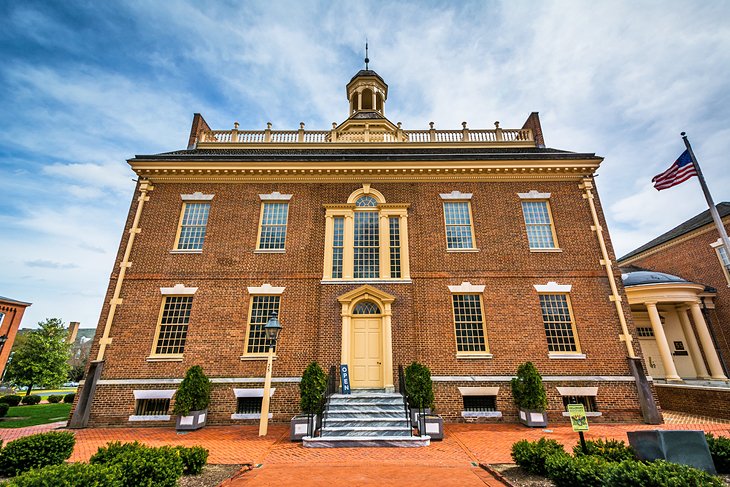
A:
(498, 476)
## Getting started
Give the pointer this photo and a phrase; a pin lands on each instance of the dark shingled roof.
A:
(693, 223)
(366, 72)
(324, 154)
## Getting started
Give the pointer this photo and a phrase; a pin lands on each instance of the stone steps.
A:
(366, 441)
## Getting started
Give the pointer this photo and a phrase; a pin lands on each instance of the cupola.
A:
(367, 92)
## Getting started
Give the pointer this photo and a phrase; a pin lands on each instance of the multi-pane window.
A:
(725, 259)
(644, 331)
(173, 328)
(192, 226)
(367, 244)
(151, 407)
(394, 223)
(248, 405)
(559, 325)
(262, 307)
(366, 308)
(469, 323)
(539, 226)
(273, 226)
(338, 246)
(458, 225)
(588, 402)
(480, 403)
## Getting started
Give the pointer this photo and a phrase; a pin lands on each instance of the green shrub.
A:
(106, 455)
(11, 399)
(193, 458)
(143, 466)
(659, 473)
(567, 471)
(193, 393)
(720, 451)
(419, 386)
(610, 450)
(4, 409)
(69, 475)
(531, 455)
(69, 398)
(30, 400)
(527, 390)
(55, 398)
(312, 388)
(36, 451)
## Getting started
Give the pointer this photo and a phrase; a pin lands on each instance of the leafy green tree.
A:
(42, 357)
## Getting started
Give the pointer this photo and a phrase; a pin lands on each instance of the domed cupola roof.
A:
(644, 277)
(367, 73)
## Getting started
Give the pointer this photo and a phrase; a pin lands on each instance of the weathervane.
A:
(366, 54)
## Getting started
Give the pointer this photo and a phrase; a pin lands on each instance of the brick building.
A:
(678, 287)
(470, 251)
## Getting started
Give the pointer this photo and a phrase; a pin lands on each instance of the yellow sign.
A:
(578, 419)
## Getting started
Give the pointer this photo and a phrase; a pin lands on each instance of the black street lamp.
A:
(272, 330)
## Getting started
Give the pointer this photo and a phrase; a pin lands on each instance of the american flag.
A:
(679, 172)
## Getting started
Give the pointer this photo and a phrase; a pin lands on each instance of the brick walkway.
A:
(452, 461)
(9, 434)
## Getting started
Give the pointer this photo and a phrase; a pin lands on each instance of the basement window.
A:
(248, 403)
(480, 402)
(588, 402)
(580, 395)
(152, 405)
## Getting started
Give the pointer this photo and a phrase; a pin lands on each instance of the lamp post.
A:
(272, 329)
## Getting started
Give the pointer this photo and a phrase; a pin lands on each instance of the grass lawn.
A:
(34, 415)
(44, 393)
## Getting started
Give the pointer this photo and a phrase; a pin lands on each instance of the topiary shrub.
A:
(527, 390)
(193, 459)
(69, 398)
(610, 450)
(312, 388)
(659, 473)
(69, 475)
(11, 399)
(193, 393)
(720, 451)
(4, 409)
(106, 455)
(141, 465)
(567, 471)
(36, 451)
(55, 398)
(419, 386)
(532, 455)
(31, 400)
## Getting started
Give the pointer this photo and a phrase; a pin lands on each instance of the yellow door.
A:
(366, 365)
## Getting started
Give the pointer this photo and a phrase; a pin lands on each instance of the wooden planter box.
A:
(194, 421)
(533, 418)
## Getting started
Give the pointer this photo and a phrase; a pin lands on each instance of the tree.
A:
(42, 357)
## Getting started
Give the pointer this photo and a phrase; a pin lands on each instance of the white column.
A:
(661, 340)
(405, 264)
(694, 348)
(329, 233)
(707, 345)
(387, 349)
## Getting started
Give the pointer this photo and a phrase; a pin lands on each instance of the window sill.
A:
(462, 250)
(164, 358)
(569, 356)
(185, 251)
(366, 281)
(472, 356)
(540, 251)
(249, 416)
(160, 417)
(269, 251)
(256, 357)
(593, 414)
(481, 414)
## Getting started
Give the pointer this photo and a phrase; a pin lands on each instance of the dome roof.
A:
(366, 72)
(643, 277)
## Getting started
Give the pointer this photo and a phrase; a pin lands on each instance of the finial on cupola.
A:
(367, 60)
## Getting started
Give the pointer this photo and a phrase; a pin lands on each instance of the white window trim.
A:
(178, 290)
(275, 196)
(197, 196)
(467, 288)
(553, 287)
(251, 392)
(455, 195)
(266, 289)
(577, 391)
(534, 195)
(479, 391)
(152, 394)
(716, 246)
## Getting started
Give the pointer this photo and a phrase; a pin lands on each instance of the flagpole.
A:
(708, 197)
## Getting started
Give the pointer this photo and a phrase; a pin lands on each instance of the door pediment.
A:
(366, 291)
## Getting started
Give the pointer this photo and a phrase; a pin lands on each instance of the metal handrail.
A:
(402, 391)
(325, 403)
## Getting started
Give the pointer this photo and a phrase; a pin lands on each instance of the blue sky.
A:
(87, 85)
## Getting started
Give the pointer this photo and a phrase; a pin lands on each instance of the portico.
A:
(674, 337)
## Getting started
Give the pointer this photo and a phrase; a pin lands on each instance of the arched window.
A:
(372, 245)
(367, 99)
(366, 308)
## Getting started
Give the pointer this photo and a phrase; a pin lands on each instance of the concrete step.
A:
(366, 441)
(364, 413)
(366, 422)
(360, 406)
(366, 431)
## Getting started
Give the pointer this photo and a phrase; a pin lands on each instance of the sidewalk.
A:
(453, 461)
